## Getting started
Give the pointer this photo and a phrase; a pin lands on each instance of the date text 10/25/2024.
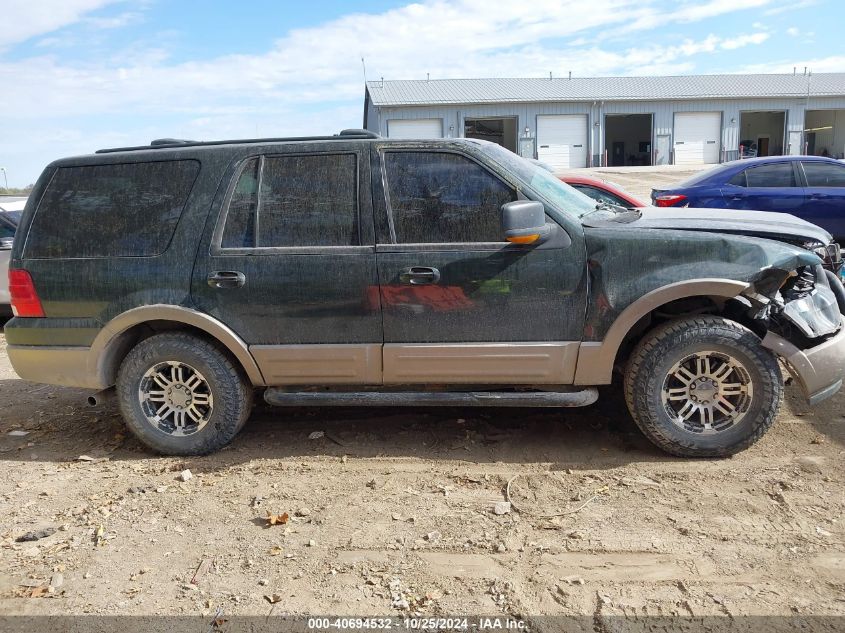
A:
(492, 623)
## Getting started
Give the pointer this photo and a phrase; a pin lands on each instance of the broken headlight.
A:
(809, 303)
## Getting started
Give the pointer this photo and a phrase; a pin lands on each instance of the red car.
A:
(603, 191)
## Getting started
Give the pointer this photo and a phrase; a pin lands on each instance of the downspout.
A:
(602, 151)
(592, 136)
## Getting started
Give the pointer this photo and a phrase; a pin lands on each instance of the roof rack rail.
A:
(170, 143)
(359, 133)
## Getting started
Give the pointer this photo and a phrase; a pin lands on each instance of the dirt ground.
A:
(392, 512)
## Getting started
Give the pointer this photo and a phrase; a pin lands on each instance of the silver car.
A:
(10, 214)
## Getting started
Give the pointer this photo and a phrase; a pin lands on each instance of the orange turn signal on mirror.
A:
(523, 239)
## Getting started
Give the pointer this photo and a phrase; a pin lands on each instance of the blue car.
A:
(810, 187)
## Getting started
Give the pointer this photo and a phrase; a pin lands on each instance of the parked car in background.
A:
(810, 187)
(10, 215)
(603, 191)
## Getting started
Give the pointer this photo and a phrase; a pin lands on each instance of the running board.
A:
(282, 398)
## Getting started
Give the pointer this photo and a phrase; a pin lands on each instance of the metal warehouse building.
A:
(619, 121)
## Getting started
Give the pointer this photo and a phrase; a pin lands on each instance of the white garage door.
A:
(697, 137)
(562, 140)
(415, 128)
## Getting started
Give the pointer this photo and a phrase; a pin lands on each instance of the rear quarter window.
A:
(824, 174)
(125, 210)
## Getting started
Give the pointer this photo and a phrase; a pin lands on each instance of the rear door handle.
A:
(419, 275)
(226, 279)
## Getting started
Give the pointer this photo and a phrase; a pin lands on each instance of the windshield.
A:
(14, 216)
(544, 183)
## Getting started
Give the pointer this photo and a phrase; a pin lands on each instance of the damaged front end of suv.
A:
(802, 310)
(780, 275)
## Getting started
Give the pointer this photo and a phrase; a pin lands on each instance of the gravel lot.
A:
(391, 511)
(639, 181)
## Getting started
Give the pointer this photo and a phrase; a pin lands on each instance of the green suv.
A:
(356, 270)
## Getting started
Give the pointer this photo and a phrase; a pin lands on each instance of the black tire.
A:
(649, 369)
(230, 393)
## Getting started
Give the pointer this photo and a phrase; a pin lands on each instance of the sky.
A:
(78, 75)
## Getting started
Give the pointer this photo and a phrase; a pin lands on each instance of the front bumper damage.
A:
(806, 328)
(819, 370)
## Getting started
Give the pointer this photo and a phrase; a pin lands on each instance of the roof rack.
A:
(169, 143)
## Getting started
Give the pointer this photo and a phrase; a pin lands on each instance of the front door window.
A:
(439, 197)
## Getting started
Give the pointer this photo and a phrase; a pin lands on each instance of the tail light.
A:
(25, 301)
(669, 200)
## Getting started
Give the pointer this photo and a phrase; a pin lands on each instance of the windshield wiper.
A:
(607, 206)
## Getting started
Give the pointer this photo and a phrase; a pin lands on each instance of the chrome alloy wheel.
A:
(707, 392)
(175, 398)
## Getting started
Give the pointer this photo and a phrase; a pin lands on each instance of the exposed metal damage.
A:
(802, 311)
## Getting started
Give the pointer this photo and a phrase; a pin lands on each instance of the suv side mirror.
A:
(524, 222)
(5, 243)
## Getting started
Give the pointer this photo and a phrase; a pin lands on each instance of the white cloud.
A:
(323, 63)
(311, 81)
(791, 6)
(698, 11)
(831, 64)
(24, 19)
(744, 40)
(115, 22)
(649, 17)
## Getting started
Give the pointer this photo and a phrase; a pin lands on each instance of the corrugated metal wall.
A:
(663, 116)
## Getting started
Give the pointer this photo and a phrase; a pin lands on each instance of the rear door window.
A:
(294, 201)
(738, 179)
(125, 210)
(824, 175)
(772, 175)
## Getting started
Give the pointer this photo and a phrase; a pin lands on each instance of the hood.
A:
(778, 226)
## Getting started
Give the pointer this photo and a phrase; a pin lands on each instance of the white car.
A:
(10, 214)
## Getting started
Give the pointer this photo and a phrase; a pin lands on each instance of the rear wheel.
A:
(181, 395)
(703, 387)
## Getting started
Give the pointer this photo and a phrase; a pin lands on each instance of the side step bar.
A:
(282, 398)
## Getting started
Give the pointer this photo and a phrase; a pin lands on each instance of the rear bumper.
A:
(67, 366)
(819, 370)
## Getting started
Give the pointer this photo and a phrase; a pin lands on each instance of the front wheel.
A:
(703, 387)
(181, 395)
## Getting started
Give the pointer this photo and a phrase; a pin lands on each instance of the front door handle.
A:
(226, 279)
(419, 275)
